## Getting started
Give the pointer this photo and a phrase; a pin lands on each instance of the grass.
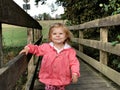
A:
(14, 39)
(14, 35)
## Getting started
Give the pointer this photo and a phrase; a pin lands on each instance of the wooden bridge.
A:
(95, 72)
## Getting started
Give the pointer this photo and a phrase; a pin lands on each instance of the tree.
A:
(80, 11)
(46, 16)
(113, 6)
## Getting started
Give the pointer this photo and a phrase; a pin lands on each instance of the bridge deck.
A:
(89, 80)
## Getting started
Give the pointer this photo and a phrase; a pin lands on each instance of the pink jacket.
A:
(56, 68)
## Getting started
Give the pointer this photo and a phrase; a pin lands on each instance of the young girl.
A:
(59, 64)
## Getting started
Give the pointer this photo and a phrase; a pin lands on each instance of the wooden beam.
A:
(103, 22)
(105, 70)
(105, 46)
(103, 38)
(1, 47)
(11, 13)
(80, 37)
(12, 72)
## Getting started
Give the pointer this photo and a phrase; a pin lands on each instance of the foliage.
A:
(113, 6)
(114, 62)
(80, 11)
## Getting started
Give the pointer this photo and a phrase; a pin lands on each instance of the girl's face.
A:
(58, 36)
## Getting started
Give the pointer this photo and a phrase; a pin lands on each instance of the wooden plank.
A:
(105, 46)
(81, 35)
(11, 72)
(11, 13)
(105, 70)
(103, 22)
(1, 46)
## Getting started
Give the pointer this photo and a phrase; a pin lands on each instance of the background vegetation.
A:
(14, 38)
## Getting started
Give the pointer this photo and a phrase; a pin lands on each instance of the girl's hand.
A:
(25, 50)
(74, 78)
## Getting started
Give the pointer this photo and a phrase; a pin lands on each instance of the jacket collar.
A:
(66, 46)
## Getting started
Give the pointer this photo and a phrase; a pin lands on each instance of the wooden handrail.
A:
(10, 73)
(11, 13)
(103, 46)
(103, 22)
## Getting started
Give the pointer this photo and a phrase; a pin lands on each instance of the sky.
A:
(34, 10)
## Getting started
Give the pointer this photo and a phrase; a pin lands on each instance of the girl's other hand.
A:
(74, 78)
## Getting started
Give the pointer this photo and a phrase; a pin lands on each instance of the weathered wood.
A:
(103, 38)
(107, 71)
(103, 22)
(11, 72)
(11, 13)
(105, 46)
(1, 46)
(80, 37)
(29, 35)
(31, 66)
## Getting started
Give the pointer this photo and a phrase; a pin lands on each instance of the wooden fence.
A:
(102, 45)
(11, 13)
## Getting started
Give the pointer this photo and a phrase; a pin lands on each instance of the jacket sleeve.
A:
(37, 50)
(74, 63)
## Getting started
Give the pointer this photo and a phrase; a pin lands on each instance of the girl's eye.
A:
(61, 33)
(54, 33)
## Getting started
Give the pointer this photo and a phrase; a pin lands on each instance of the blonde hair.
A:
(65, 29)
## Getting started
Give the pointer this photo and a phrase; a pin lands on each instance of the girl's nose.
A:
(57, 35)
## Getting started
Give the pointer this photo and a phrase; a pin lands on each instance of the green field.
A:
(14, 39)
(14, 35)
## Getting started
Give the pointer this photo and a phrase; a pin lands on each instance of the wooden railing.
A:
(103, 46)
(11, 13)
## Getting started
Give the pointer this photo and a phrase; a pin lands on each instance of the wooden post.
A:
(29, 34)
(1, 46)
(80, 37)
(31, 62)
(36, 35)
(33, 35)
(103, 38)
